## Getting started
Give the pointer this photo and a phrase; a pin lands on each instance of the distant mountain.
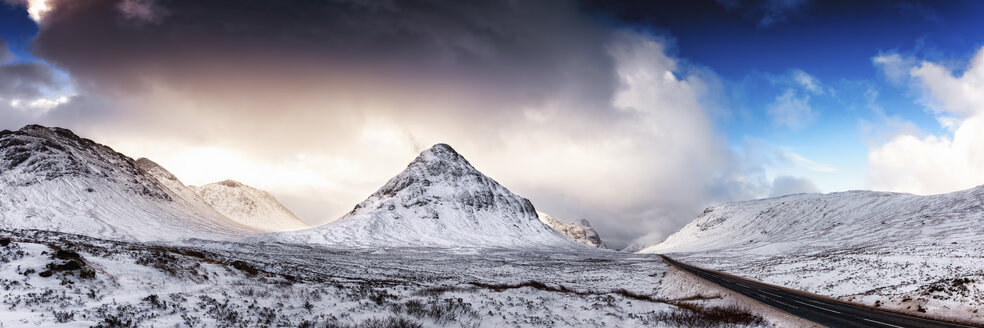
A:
(440, 200)
(249, 206)
(579, 231)
(170, 182)
(806, 222)
(52, 179)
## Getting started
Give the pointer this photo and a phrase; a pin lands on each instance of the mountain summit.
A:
(580, 231)
(439, 200)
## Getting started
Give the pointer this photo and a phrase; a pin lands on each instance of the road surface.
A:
(817, 309)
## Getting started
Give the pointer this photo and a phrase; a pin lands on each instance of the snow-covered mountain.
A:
(52, 179)
(783, 224)
(249, 206)
(579, 231)
(440, 200)
(184, 193)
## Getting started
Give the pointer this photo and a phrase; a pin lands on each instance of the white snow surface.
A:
(222, 284)
(805, 222)
(440, 200)
(901, 251)
(51, 179)
(249, 206)
(579, 231)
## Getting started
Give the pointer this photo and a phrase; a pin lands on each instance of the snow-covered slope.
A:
(900, 251)
(51, 179)
(249, 206)
(579, 231)
(854, 218)
(440, 200)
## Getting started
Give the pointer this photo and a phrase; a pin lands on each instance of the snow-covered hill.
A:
(440, 200)
(579, 231)
(52, 179)
(854, 218)
(249, 206)
(908, 252)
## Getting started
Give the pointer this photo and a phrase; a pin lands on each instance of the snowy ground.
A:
(919, 254)
(941, 280)
(54, 279)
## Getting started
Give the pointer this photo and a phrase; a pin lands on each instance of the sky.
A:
(634, 115)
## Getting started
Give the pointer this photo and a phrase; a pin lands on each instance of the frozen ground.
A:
(55, 279)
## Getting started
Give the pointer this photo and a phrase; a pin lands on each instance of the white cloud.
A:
(895, 67)
(788, 185)
(963, 95)
(938, 163)
(808, 163)
(792, 110)
(808, 82)
(39, 104)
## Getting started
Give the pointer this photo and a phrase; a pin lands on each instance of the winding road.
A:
(820, 310)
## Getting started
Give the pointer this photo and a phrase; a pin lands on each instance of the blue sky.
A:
(17, 29)
(754, 52)
(633, 114)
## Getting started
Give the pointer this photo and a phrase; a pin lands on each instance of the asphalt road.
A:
(817, 309)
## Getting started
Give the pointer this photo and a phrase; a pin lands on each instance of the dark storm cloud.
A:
(22, 84)
(518, 50)
(23, 80)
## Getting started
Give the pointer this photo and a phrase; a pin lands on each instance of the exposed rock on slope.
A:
(579, 231)
(440, 200)
(52, 179)
(249, 206)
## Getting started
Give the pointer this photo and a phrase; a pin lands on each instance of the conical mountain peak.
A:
(439, 165)
(441, 159)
